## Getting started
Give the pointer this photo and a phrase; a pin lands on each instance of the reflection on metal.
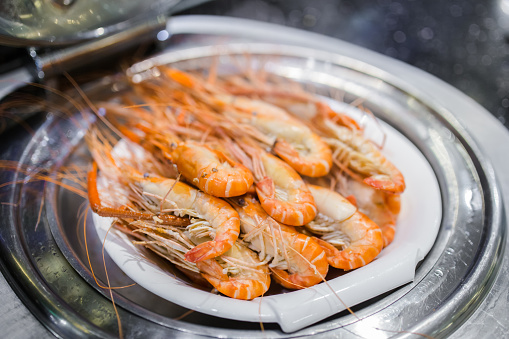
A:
(450, 282)
(58, 61)
(64, 3)
(63, 22)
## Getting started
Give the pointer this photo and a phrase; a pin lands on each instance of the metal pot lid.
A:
(63, 22)
(47, 266)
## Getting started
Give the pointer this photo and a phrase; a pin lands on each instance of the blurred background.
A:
(463, 42)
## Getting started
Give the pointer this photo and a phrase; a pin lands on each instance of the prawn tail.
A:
(286, 152)
(340, 119)
(209, 249)
(393, 203)
(385, 183)
(266, 188)
(352, 200)
(286, 279)
(204, 251)
(243, 289)
(316, 166)
(296, 281)
(334, 256)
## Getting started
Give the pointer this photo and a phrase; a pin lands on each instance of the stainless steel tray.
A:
(47, 266)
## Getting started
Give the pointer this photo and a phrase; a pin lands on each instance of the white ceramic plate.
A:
(417, 229)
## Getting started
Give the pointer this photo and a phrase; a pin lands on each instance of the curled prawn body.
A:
(306, 259)
(182, 199)
(211, 170)
(296, 260)
(339, 225)
(283, 194)
(238, 273)
(295, 143)
(361, 157)
(381, 207)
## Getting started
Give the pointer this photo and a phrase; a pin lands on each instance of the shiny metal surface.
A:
(50, 22)
(80, 55)
(450, 282)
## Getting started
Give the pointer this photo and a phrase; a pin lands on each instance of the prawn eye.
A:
(241, 202)
(145, 175)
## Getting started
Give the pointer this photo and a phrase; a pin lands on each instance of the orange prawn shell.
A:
(217, 211)
(211, 170)
(308, 263)
(354, 257)
(311, 256)
(380, 206)
(300, 207)
(311, 166)
(246, 286)
(366, 240)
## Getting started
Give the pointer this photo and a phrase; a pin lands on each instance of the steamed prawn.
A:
(359, 156)
(210, 170)
(163, 196)
(282, 192)
(293, 141)
(237, 273)
(296, 260)
(352, 151)
(349, 238)
(381, 207)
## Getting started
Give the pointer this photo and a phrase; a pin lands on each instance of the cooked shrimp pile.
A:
(235, 181)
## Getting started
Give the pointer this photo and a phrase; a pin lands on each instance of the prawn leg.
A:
(307, 263)
(224, 220)
(122, 212)
(296, 260)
